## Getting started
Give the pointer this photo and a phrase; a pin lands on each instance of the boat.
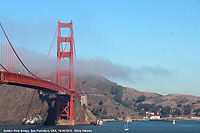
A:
(126, 127)
(99, 122)
(173, 121)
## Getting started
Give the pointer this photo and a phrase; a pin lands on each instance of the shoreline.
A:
(109, 120)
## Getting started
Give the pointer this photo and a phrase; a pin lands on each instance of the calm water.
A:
(115, 127)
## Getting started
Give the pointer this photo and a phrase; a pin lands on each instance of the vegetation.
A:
(126, 104)
(197, 112)
(84, 106)
(141, 99)
(142, 113)
(117, 91)
(198, 101)
(100, 103)
(138, 105)
(145, 107)
(183, 101)
(179, 105)
(95, 112)
(165, 111)
(100, 109)
(104, 112)
(83, 82)
(187, 110)
(176, 112)
(157, 108)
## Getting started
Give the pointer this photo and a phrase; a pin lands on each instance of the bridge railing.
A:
(8, 77)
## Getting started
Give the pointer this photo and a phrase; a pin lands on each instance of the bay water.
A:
(111, 127)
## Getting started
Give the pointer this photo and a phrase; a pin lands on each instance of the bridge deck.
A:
(21, 80)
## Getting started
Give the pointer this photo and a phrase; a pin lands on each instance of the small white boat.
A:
(99, 122)
(173, 121)
(126, 127)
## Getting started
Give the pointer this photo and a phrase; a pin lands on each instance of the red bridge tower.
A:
(65, 102)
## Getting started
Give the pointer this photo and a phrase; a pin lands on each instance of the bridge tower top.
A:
(65, 54)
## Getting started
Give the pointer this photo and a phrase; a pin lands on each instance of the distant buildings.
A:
(154, 117)
(186, 117)
(150, 115)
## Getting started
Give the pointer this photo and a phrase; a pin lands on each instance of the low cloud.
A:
(98, 66)
(109, 69)
(156, 71)
(103, 67)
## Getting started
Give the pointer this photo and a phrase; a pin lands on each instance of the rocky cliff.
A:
(17, 103)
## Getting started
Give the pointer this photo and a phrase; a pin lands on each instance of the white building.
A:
(154, 117)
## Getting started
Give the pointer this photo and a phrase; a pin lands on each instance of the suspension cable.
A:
(49, 49)
(63, 50)
(16, 52)
(4, 68)
(74, 45)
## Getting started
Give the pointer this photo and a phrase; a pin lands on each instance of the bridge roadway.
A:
(32, 82)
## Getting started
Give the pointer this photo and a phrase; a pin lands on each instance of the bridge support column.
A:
(65, 110)
(71, 108)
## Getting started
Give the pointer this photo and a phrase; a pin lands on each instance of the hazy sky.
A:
(150, 45)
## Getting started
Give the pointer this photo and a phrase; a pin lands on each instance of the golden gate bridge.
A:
(15, 72)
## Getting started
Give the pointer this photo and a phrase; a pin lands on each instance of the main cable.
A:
(16, 52)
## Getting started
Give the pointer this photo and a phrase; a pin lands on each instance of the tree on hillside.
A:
(145, 107)
(177, 112)
(157, 108)
(165, 111)
(100, 109)
(197, 112)
(95, 111)
(142, 113)
(179, 105)
(126, 103)
(187, 110)
(198, 101)
(100, 103)
(104, 112)
(118, 92)
(141, 99)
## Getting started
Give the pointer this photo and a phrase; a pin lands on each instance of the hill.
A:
(107, 99)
